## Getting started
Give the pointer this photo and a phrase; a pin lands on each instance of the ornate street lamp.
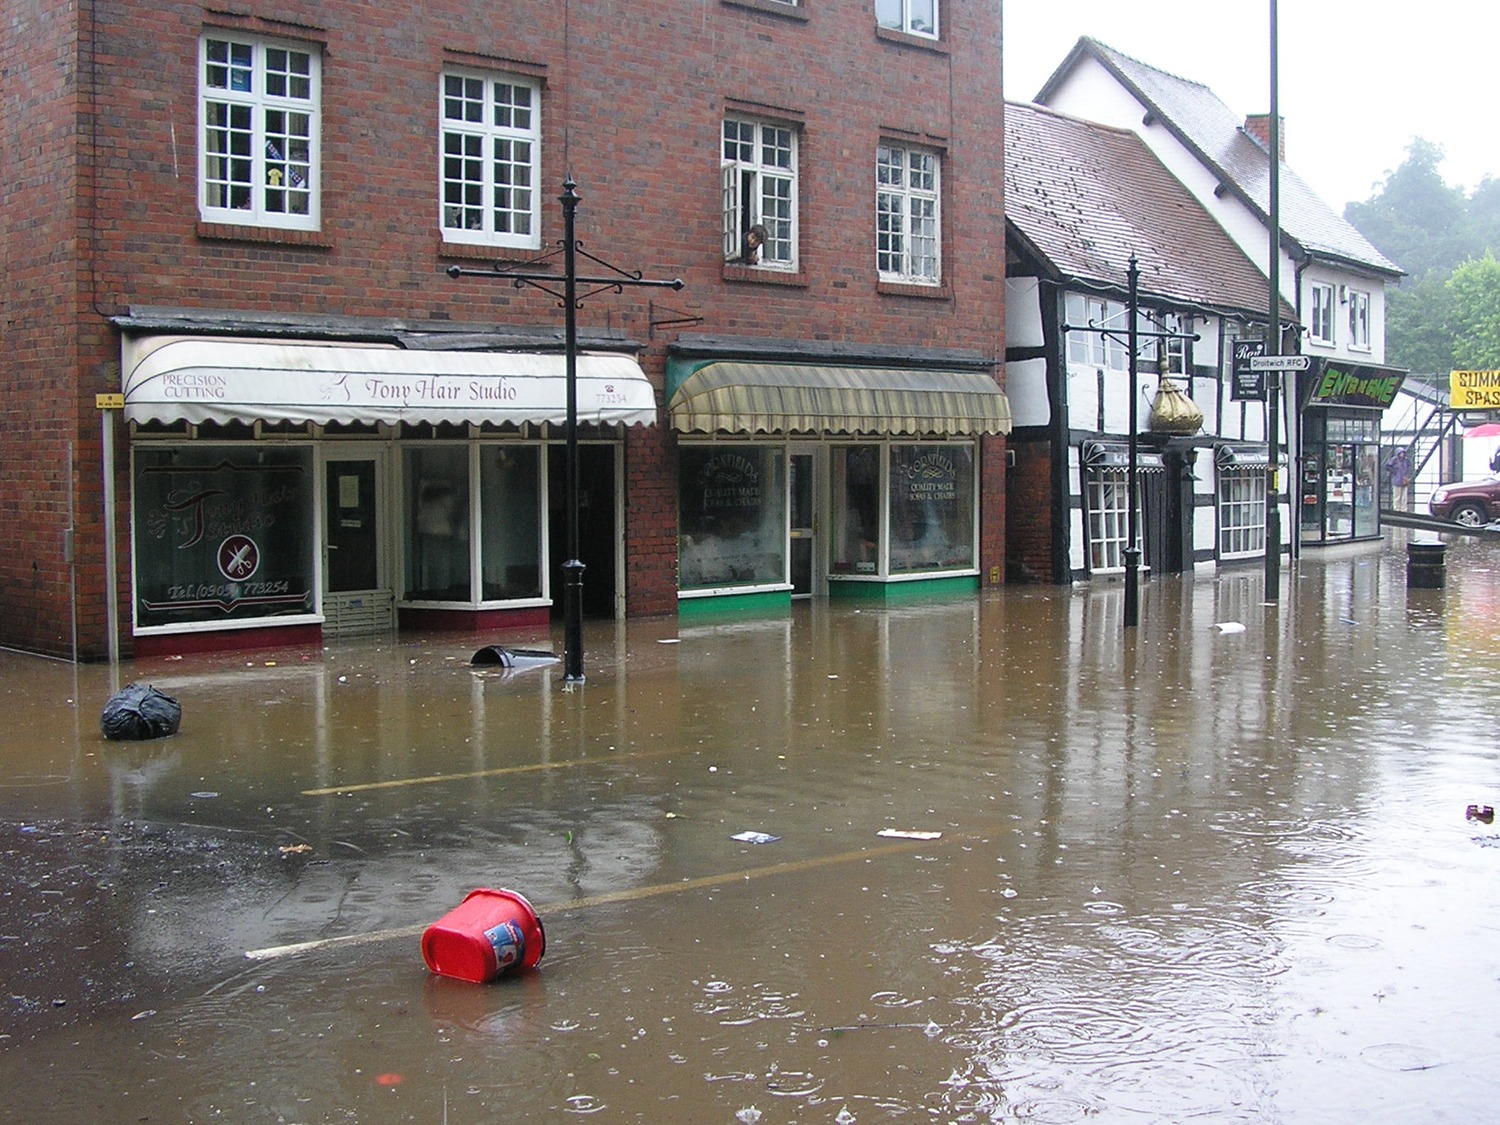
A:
(570, 300)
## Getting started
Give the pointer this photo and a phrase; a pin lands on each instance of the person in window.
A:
(755, 238)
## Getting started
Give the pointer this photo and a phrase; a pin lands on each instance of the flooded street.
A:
(1195, 873)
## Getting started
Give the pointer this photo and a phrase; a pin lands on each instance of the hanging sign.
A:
(1474, 390)
(1249, 384)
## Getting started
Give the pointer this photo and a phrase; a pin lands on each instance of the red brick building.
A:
(228, 236)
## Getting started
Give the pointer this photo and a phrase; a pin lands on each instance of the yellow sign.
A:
(1474, 390)
(109, 402)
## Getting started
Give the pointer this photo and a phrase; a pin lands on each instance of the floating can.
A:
(492, 932)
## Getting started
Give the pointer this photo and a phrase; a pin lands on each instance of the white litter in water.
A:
(908, 834)
(678, 641)
(749, 1115)
(755, 837)
(1229, 626)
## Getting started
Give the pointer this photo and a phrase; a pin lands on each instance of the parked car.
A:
(1472, 503)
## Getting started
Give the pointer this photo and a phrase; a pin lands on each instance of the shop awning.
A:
(755, 398)
(203, 379)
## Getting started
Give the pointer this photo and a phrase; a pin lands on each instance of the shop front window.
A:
(437, 524)
(932, 508)
(222, 533)
(510, 519)
(856, 509)
(731, 517)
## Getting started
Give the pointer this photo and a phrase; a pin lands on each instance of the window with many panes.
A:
(1173, 347)
(919, 17)
(491, 148)
(1320, 324)
(759, 181)
(1242, 511)
(258, 132)
(907, 222)
(1359, 320)
(1097, 332)
(1107, 497)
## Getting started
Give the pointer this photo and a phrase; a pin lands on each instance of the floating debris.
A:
(909, 834)
(755, 837)
(1485, 814)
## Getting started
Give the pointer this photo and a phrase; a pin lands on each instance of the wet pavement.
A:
(1219, 869)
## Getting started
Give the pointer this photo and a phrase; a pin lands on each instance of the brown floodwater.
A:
(1218, 868)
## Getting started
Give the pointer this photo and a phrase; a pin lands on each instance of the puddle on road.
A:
(1190, 873)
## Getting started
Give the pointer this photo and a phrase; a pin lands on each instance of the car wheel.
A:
(1470, 513)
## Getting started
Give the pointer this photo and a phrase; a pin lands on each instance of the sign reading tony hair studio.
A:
(222, 534)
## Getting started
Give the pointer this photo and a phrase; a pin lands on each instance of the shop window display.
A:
(731, 517)
(932, 508)
(437, 524)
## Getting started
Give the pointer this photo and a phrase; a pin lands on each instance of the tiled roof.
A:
(1210, 128)
(1088, 196)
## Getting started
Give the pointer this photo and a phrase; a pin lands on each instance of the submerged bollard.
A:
(1426, 568)
(490, 933)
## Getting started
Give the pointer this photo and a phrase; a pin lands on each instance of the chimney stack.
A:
(1258, 125)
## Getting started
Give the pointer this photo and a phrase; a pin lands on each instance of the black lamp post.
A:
(1132, 543)
(1273, 345)
(569, 298)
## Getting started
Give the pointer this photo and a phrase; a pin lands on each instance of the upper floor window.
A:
(759, 167)
(491, 142)
(1359, 320)
(907, 227)
(1098, 332)
(258, 133)
(919, 17)
(1320, 326)
(1168, 353)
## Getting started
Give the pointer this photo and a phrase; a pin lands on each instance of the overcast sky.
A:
(1358, 80)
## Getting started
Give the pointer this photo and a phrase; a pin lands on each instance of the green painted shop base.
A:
(891, 592)
(735, 605)
(780, 601)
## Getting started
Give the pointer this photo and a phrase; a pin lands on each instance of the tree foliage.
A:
(1475, 291)
(1446, 312)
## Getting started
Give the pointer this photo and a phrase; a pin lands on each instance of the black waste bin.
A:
(1426, 568)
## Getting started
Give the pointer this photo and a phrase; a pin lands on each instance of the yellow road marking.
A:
(792, 867)
(499, 771)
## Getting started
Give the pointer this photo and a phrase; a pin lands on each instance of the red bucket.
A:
(491, 932)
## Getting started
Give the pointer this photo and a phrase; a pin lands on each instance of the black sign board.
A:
(1247, 385)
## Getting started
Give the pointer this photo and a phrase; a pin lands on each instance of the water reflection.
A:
(1186, 873)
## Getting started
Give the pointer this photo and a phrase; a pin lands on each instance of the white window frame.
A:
(1107, 515)
(1241, 502)
(489, 159)
(1359, 320)
(758, 179)
(1087, 344)
(259, 121)
(915, 17)
(908, 214)
(1320, 327)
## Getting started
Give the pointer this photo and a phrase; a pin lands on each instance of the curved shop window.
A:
(223, 534)
(459, 496)
(903, 509)
(731, 513)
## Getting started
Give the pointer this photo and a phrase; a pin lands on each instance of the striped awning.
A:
(755, 398)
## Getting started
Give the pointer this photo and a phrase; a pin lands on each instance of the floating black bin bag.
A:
(139, 712)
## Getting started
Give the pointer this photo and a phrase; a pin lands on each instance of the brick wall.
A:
(1030, 519)
(105, 207)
